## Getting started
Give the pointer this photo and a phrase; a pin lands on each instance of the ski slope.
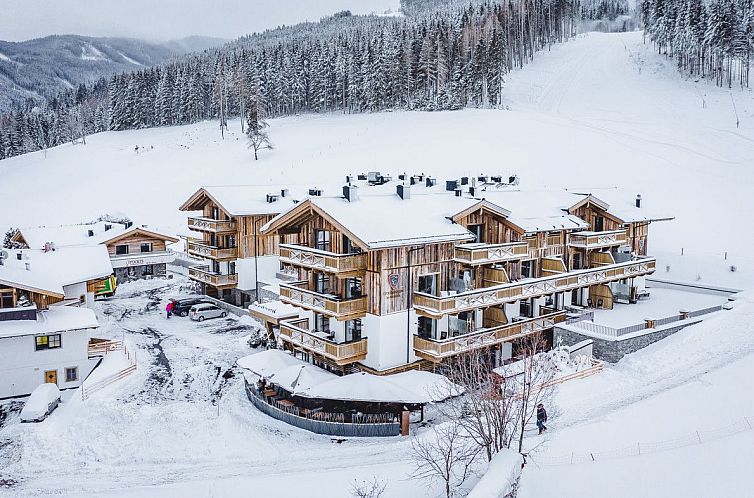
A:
(600, 110)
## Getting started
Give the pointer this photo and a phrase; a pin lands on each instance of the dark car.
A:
(181, 307)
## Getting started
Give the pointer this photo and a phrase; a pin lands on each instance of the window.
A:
(527, 267)
(349, 247)
(353, 288)
(146, 247)
(321, 283)
(71, 374)
(47, 342)
(232, 268)
(427, 327)
(231, 241)
(6, 298)
(353, 330)
(321, 323)
(478, 231)
(428, 284)
(121, 250)
(215, 213)
(322, 240)
(599, 223)
(147, 270)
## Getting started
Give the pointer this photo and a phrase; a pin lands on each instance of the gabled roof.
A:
(242, 200)
(381, 221)
(61, 267)
(141, 230)
(30, 281)
(619, 204)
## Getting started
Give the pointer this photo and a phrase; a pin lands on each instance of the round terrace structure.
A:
(355, 405)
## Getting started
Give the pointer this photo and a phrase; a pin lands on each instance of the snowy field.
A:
(602, 110)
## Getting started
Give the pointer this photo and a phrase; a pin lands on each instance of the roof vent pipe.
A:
(283, 192)
(638, 200)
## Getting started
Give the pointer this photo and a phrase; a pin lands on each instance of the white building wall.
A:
(75, 291)
(267, 266)
(389, 341)
(22, 368)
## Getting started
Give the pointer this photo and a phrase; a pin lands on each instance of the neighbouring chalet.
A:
(44, 331)
(135, 251)
(416, 277)
(239, 259)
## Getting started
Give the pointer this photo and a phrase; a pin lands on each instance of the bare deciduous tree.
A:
(444, 454)
(373, 488)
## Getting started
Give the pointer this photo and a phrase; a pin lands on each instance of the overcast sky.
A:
(165, 19)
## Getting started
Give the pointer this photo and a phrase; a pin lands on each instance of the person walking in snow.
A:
(541, 418)
(169, 309)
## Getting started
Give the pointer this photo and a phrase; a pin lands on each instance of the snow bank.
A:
(39, 402)
(501, 476)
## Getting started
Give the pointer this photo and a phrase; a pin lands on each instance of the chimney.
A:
(28, 266)
(402, 176)
(431, 182)
(349, 178)
(284, 192)
(404, 191)
(315, 192)
(108, 227)
(362, 176)
(451, 185)
(458, 192)
(129, 224)
(638, 200)
(497, 179)
(472, 191)
(464, 180)
(272, 197)
(351, 193)
(412, 180)
(90, 233)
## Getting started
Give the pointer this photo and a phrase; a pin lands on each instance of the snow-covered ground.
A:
(602, 110)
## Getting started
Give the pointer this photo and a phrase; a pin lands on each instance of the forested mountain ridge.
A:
(448, 59)
(38, 69)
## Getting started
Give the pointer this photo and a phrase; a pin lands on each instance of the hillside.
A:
(38, 68)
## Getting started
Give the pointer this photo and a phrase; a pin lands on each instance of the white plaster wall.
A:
(22, 368)
(388, 340)
(268, 266)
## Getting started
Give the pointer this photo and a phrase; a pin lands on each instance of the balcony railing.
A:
(511, 292)
(596, 240)
(481, 254)
(297, 333)
(437, 350)
(211, 252)
(210, 225)
(297, 294)
(202, 274)
(322, 260)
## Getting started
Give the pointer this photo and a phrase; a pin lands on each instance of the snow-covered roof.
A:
(56, 319)
(78, 235)
(298, 378)
(363, 386)
(29, 280)
(246, 200)
(434, 387)
(64, 265)
(623, 205)
(386, 220)
(268, 362)
(275, 309)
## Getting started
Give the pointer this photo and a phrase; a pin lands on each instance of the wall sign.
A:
(394, 279)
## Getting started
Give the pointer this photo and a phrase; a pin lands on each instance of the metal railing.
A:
(437, 350)
(511, 292)
(322, 260)
(209, 225)
(297, 294)
(297, 333)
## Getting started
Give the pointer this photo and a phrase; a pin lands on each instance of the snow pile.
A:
(501, 478)
(39, 402)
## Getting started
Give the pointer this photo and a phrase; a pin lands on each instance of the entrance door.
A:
(51, 376)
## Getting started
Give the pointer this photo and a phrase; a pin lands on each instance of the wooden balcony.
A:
(309, 257)
(210, 252)
(438, 350)
(297, 294)
(211, 226)
(203, 275)
(435, 306)
(482, 254)
(598, 240)
(297, 333)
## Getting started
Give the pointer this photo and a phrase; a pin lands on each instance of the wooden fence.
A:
(92, 387)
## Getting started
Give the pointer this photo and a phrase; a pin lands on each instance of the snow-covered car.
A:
(201, 312)
(43, 400)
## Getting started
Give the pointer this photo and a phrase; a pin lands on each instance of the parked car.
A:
(181, 307)
(201, 312)
(43, 400)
